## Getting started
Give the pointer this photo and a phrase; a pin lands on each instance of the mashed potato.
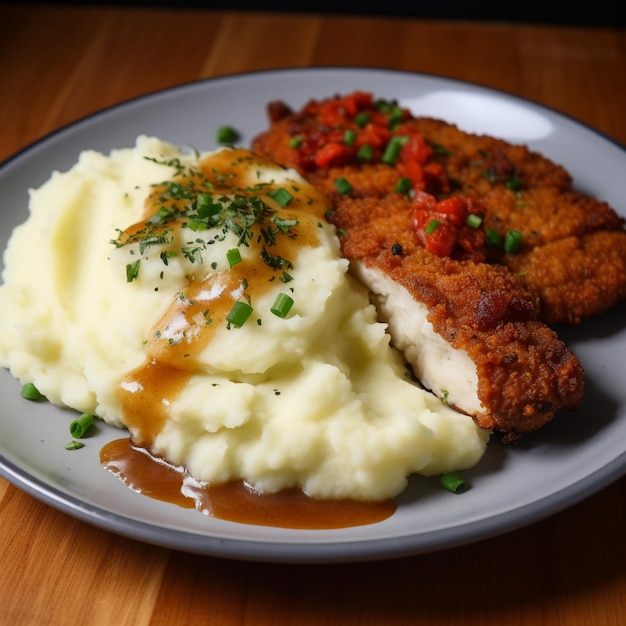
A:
(142, 289)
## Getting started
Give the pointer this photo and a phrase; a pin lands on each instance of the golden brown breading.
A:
(579, 276)
(518, 189)
(477, 162)
(525, 373)
(574, 246)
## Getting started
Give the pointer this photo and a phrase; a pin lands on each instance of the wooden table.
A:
(60, 64)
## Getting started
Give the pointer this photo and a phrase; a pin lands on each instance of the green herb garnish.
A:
(80, 426)
(281, 196)
(227, 135)
(343, 185)
(431, 227)
(282, 305)
(239, 314)
(74, 445)
(233, 256)
(474, 221)
(404, 185)
(452, 482)
(512, 241)
(30, 392)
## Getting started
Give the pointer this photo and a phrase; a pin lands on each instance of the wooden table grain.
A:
(59, 64)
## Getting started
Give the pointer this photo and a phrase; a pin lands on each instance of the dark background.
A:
(595, 13)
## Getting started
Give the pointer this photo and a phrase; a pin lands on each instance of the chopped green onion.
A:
(395, 116)
(233, 256)
(490, 175)
(132, 271)
(441, 150)
(343, 185)
(160, 215)
(205, 207)
(227, 134)
(404, 185)
(452, 482)
(431, 227)
(239, 314)
(30, 392)
(361, 119)
(281, 196)
(473, 220)
(195, 225)
(365, 153)
(282, 305)
(74, 445)
(285, 225)
(295, 142)
(349, 137)
(80, 426)
(512, 241)
(393, 148)
(493, 237)
(514, 184)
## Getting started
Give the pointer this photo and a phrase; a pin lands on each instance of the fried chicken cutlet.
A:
(469, 329)
(573, 253)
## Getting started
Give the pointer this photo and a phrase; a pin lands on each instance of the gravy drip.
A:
(192, 319)
(172, 356)
(234, 501)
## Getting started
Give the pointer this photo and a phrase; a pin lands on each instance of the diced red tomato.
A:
(414, 171)
(439, 224)
(350, 105)
(331, 116)
(416, 150)
(442, 227)
(326, 147)
(373, 135)
(455, 208)
(332, 154)
(355, 102)
(423, 202)
(363, 99)
(437, 231)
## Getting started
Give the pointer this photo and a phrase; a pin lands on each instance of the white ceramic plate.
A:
(571, 458)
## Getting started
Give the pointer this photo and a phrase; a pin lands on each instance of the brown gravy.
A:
(147, 392)
(233, 501)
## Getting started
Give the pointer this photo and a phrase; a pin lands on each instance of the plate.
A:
(574, 456)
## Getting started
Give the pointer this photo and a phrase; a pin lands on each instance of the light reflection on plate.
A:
(484, 113)
(570, 459)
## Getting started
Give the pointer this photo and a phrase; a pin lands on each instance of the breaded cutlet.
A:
(470, 329)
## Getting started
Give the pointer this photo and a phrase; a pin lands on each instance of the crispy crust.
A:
(525, 373)
(573, 254)
(574, 250)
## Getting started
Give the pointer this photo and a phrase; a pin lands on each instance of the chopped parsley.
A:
(190, 201)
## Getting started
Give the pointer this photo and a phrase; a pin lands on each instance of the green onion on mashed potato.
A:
(128, 315)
